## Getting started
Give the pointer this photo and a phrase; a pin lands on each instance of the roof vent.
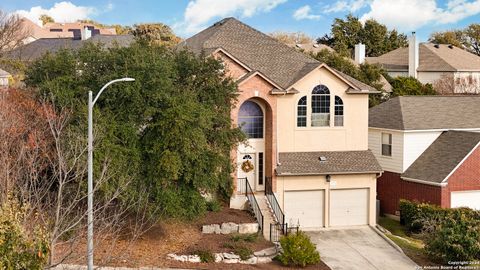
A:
(450, 46)
(322, 159)
(436, 46)
(298, 45)
(315, 45)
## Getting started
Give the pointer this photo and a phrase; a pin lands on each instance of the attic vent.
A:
(436, 46)
(450, 46)
(322, 159)
(315, 45)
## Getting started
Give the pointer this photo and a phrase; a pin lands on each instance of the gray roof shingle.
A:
(39, 47)
(336, 162)
(280, 63)
(442, 156)
(431, 58)
(426, 112)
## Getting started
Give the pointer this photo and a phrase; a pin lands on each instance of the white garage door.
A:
(348, 207)
(304, 207)
(465, 199)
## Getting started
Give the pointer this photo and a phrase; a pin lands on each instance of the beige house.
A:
(449, 69)
(307, 155)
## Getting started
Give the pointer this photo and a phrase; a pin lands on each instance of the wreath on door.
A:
(247, 166)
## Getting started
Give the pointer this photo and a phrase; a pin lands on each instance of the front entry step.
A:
(266, 212)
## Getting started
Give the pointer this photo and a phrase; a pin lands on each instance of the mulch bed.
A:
(151, 249)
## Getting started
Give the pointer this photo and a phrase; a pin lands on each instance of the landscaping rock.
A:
(194, 258)
(230, 260)
(171, 256)
(228, 228)
(230, 256)
(209, 229)
(268, 252)
(247, 228)
(264, 260)
(218, 257)
(252, 260)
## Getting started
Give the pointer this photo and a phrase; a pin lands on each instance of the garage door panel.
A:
(304, 207)
(348, 207)
(465, 199)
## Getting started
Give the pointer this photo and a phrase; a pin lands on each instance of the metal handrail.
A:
(254, 204)
(272, 199)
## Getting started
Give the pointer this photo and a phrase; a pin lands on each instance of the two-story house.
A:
(428, 149)
(307, 128)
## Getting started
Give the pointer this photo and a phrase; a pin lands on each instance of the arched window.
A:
(302, 112)
(320, 106)
(250, 119)
(338, 112)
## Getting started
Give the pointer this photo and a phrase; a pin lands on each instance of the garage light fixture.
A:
(328, 178)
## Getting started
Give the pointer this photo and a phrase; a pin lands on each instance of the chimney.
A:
(412, 56)
(360, 53)
(86, 33)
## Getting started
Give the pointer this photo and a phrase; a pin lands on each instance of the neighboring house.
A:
(62, 30)
(428, 149)
(38, 48)
(307, 128)
(449, 68)
(4, 78)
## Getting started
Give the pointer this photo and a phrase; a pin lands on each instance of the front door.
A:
(246, 168)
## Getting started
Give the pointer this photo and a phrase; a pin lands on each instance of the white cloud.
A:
(60, 12)
(199, 12)
(305, 12)
(409, 15)
(343, 5)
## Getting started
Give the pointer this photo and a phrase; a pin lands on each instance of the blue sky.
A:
(313, 17)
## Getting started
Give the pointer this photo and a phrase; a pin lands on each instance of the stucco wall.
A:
(352, 136)
(291, 183)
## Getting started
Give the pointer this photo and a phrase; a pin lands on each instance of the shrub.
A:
(214, 206)
(457, 237)
(298, 250)
(206, 256)
(418, 217)
(244, 252)
(21, 247)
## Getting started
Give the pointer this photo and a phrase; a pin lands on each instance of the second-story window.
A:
(320, 106)
(386, 144)
(338, 112)
(250, 119)
(302, 112)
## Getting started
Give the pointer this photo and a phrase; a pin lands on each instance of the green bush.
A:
(214, 206)
(244, 237)
(244, 252)
(456, 237)
(418, 217)
(21, 247)
(206, 256)
(298, 250)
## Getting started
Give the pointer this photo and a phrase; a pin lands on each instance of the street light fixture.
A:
(91, 103)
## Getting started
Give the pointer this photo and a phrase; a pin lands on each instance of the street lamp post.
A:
(91, 103)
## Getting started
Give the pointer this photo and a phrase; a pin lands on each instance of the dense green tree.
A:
(409, 86)
(170, 131)
(345, 33)
(155, 33)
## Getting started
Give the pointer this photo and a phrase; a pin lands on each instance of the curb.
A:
(393, 244)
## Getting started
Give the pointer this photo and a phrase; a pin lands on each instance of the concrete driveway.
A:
(358, 248)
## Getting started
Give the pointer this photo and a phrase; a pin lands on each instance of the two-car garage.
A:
(311, 209)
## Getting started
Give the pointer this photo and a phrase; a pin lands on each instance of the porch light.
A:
(328, 178)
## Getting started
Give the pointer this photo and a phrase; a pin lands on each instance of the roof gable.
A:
(443, 157)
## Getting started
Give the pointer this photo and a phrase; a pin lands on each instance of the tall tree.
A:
(454, 37)
(472, 34)
(155, 33)
(292, 37)
(345, 33)
(467, 38)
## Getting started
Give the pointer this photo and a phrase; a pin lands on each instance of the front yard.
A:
(411, 244)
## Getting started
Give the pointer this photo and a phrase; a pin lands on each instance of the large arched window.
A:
(320, 106)
(302, 112)
(250, 119)
(338, 112)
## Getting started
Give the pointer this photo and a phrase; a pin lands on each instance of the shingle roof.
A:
(336, 162)
(37, 48)
(431, 58)
(426, 112)
(442, 156)
(277, 61)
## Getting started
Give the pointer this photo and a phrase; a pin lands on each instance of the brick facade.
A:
(391, 188)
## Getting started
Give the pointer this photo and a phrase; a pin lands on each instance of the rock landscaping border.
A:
(259, 257)
(230, 227)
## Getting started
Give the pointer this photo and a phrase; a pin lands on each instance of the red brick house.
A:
(429, 149)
